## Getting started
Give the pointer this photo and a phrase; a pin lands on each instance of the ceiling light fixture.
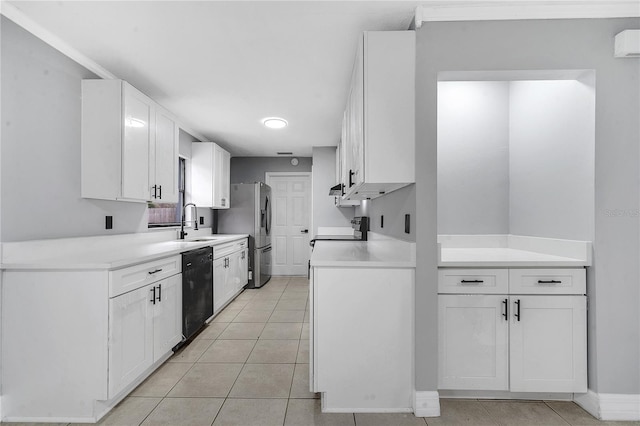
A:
(275, 122)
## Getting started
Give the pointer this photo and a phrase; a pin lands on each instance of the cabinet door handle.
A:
(517, 314)
(153, 298)
(159, 292)
(154, 191)
(351, 173)
(155, 272)
(549, 282)
(471, 281)
(160, 191)
(505, 302)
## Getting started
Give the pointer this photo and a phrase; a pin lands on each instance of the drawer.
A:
(485, 281)
(547, 281)
(228, 248)
(133, 277)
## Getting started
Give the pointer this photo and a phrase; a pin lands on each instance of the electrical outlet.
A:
(201, 220)
(108, 224)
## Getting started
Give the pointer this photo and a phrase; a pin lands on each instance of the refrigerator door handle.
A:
(266, 249)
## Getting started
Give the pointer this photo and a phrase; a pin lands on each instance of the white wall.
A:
(473, 157)
(551, 159)
(323, 172)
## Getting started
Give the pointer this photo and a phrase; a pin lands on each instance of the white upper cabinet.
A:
(129, 144)
(378, 126)
(210, 174)
(164, 159)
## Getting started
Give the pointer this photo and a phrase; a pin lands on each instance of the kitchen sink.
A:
(201, 240)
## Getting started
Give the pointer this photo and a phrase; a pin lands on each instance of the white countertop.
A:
(517, 251)
(375, 253)
(86, 254)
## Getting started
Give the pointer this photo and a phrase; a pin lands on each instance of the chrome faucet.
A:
(195, 220)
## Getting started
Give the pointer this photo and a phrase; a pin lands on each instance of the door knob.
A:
(305, 231)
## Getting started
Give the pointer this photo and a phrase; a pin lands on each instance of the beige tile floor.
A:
(250, 367)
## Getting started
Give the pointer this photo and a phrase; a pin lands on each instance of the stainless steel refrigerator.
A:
(250, 213)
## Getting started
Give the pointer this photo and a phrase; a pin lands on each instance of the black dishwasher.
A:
(197, 290)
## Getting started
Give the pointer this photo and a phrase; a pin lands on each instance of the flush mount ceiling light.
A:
(275, 122)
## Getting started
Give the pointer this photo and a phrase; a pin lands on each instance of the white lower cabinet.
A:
(130, 338)
(144, 325)
(548, 342)
(361, 338)
(512, 342)
(230, 272)
(473, 342)
(75, 342)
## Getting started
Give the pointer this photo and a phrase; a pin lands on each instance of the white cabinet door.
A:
(219, 284)
(237, 271)
(473, 332)
(356, 157)
(164, 159)
(548, 344)
(210, 168)
(221, 178)
(137, 136)
(244, 268)
(130, 337)
(167, 316)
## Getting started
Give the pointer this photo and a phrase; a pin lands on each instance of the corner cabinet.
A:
(379, 120)
(210, 174)
(517, 330)
(129, 145)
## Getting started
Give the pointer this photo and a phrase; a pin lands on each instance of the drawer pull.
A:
(471, 282)
(549, 282)
(155, 272)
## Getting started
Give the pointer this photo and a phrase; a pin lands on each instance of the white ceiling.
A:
(222, 66)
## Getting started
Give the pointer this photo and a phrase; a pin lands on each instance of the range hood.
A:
(336, 190)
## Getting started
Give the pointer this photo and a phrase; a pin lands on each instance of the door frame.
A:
(269, 175)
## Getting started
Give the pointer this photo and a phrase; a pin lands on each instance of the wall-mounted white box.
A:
(627, 44)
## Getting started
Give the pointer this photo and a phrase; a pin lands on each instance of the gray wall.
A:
(40, 167)
(393, 206)
(473, 157)
(614, 321)
(551, 158)
(323, 177)
(253, 169)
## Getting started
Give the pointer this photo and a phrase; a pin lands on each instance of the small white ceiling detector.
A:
(275, 122)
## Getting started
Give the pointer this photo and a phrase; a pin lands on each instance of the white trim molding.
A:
(609, 406)
(482, 10)
(426, 404)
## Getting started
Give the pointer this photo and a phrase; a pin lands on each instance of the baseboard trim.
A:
(609, 406)
(426, 404)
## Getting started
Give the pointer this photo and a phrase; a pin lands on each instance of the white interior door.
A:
(291, 199)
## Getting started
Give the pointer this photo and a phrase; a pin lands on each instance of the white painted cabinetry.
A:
(210, 174)
(144, 324)
(361, 340)
(517, 330)
(129, 144)
(378, 124)
(230, 272)
(75, 342)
